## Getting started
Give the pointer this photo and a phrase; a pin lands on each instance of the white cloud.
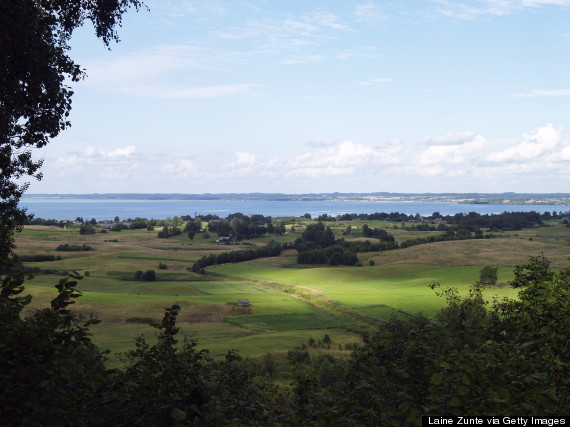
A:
(542, 92)
(161, 72)
(182, 168)
(347, 159)
(305, 59)
(448, 155)
(452, 159)
(369, 12)
(97, 152)
(480, 8)
(544, 141)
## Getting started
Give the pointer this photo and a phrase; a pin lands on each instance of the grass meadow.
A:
(290, 303)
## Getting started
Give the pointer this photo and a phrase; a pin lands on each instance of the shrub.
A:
(86, 229)
(149, 276)
(73, 248)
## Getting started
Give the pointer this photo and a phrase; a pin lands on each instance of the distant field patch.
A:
(286, 322)
(380, 312)
(229, 287)
(148, 257)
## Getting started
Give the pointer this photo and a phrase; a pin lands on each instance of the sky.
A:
(321, 96)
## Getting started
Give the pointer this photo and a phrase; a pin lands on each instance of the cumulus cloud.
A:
(458, 157)
(181, 168)
(544, 141)
(95, 161)
(448, 155)
(95, 152)
(347, 159)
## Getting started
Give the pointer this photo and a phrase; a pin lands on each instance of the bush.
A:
(86, 229)
(149, 276)
(73, 248)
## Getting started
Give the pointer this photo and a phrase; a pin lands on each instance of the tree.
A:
(86, 229)
(489, 275)
(35, 99)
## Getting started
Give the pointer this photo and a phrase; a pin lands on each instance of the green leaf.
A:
(436, 378)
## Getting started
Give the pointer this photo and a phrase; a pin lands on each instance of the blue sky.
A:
(321, 96)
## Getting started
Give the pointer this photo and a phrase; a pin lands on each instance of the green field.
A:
(290, 303)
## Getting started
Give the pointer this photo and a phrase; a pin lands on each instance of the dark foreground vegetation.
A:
(511, 357)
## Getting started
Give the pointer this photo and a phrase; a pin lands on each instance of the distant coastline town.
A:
(463, 198)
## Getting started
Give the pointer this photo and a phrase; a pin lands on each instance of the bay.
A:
(61, 209)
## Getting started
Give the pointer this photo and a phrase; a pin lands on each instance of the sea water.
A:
(102, 209)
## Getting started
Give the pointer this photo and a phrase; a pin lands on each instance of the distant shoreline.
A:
(462, 198)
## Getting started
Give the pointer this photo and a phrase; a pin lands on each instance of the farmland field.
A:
(290, 303)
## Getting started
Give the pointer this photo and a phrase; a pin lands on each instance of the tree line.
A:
(270, 250)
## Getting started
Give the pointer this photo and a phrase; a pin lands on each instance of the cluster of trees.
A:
(169, 231)
(30, 220)
(317, 245)
(193, 226)
(332, 255)
(270, 250)
(240, 226)
(461, 234)
(378, 216)
(512, 357)
(506, 221)
(66, 247)
(147, 276)
(86, 229)
(377, 233)
(472, 221)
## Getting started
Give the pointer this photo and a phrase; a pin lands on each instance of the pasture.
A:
(290, 303)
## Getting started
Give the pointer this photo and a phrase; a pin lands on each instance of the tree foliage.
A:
(35, 98)
(488, 275)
